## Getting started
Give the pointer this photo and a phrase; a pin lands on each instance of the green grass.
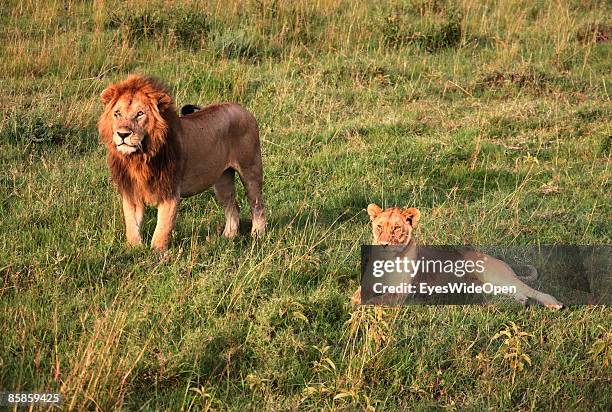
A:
(492, 118)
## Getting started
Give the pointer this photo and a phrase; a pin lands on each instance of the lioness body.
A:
(394, 226)
(156, 158)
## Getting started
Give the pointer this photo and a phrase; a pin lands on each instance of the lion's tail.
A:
(190, 108)
(533, 274)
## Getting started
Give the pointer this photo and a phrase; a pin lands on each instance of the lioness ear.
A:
(163, 101)
(412, 216)
(373, 210)
(108, 94)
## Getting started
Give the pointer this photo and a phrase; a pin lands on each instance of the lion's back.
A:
(229, 120)
(215, 138)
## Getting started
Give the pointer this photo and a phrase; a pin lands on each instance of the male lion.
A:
(394, 226)
(156, 157)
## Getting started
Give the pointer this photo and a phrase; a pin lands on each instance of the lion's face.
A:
(392, 226)
(133, 119)
(130, 123)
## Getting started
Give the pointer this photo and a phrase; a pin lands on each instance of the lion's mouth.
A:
(128, 149)
(138, 146)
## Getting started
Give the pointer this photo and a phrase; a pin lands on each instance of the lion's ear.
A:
(163, 101)
(108, 94)
(412, 216)
(374, 210)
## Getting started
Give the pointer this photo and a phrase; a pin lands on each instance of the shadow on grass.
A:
(220, 353)
(466, 187)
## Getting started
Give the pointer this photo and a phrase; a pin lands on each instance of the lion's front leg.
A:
(133, 212)
(166, 214)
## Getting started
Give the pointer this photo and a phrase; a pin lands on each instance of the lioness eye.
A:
(117, 114)
(140, 113)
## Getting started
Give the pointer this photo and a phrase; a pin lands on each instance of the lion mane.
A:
(151, 173)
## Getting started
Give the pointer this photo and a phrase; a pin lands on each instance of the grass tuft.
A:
(188, 26)
(242, 44)
(430, 32)
(41, 129)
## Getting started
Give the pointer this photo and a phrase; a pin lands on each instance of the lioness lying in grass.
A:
(394, 226)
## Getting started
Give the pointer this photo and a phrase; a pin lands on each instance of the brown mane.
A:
(150, 174)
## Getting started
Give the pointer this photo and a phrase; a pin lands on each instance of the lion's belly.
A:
(201, 174)
(197, 183)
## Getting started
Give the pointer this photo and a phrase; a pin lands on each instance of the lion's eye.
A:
(117, 114)
(379, 228)
(139, 114)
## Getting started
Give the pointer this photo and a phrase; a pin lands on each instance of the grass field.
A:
(492, 117)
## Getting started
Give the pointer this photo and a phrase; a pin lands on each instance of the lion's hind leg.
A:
(499, 273)
(225, 191)
(252, 181)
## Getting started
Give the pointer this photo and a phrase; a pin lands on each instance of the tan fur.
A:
(156, 158)
(394, 226)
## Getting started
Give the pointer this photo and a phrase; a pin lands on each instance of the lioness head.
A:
(393, 226)
(133, 119)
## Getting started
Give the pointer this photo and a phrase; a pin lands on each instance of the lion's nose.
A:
(123, 135)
